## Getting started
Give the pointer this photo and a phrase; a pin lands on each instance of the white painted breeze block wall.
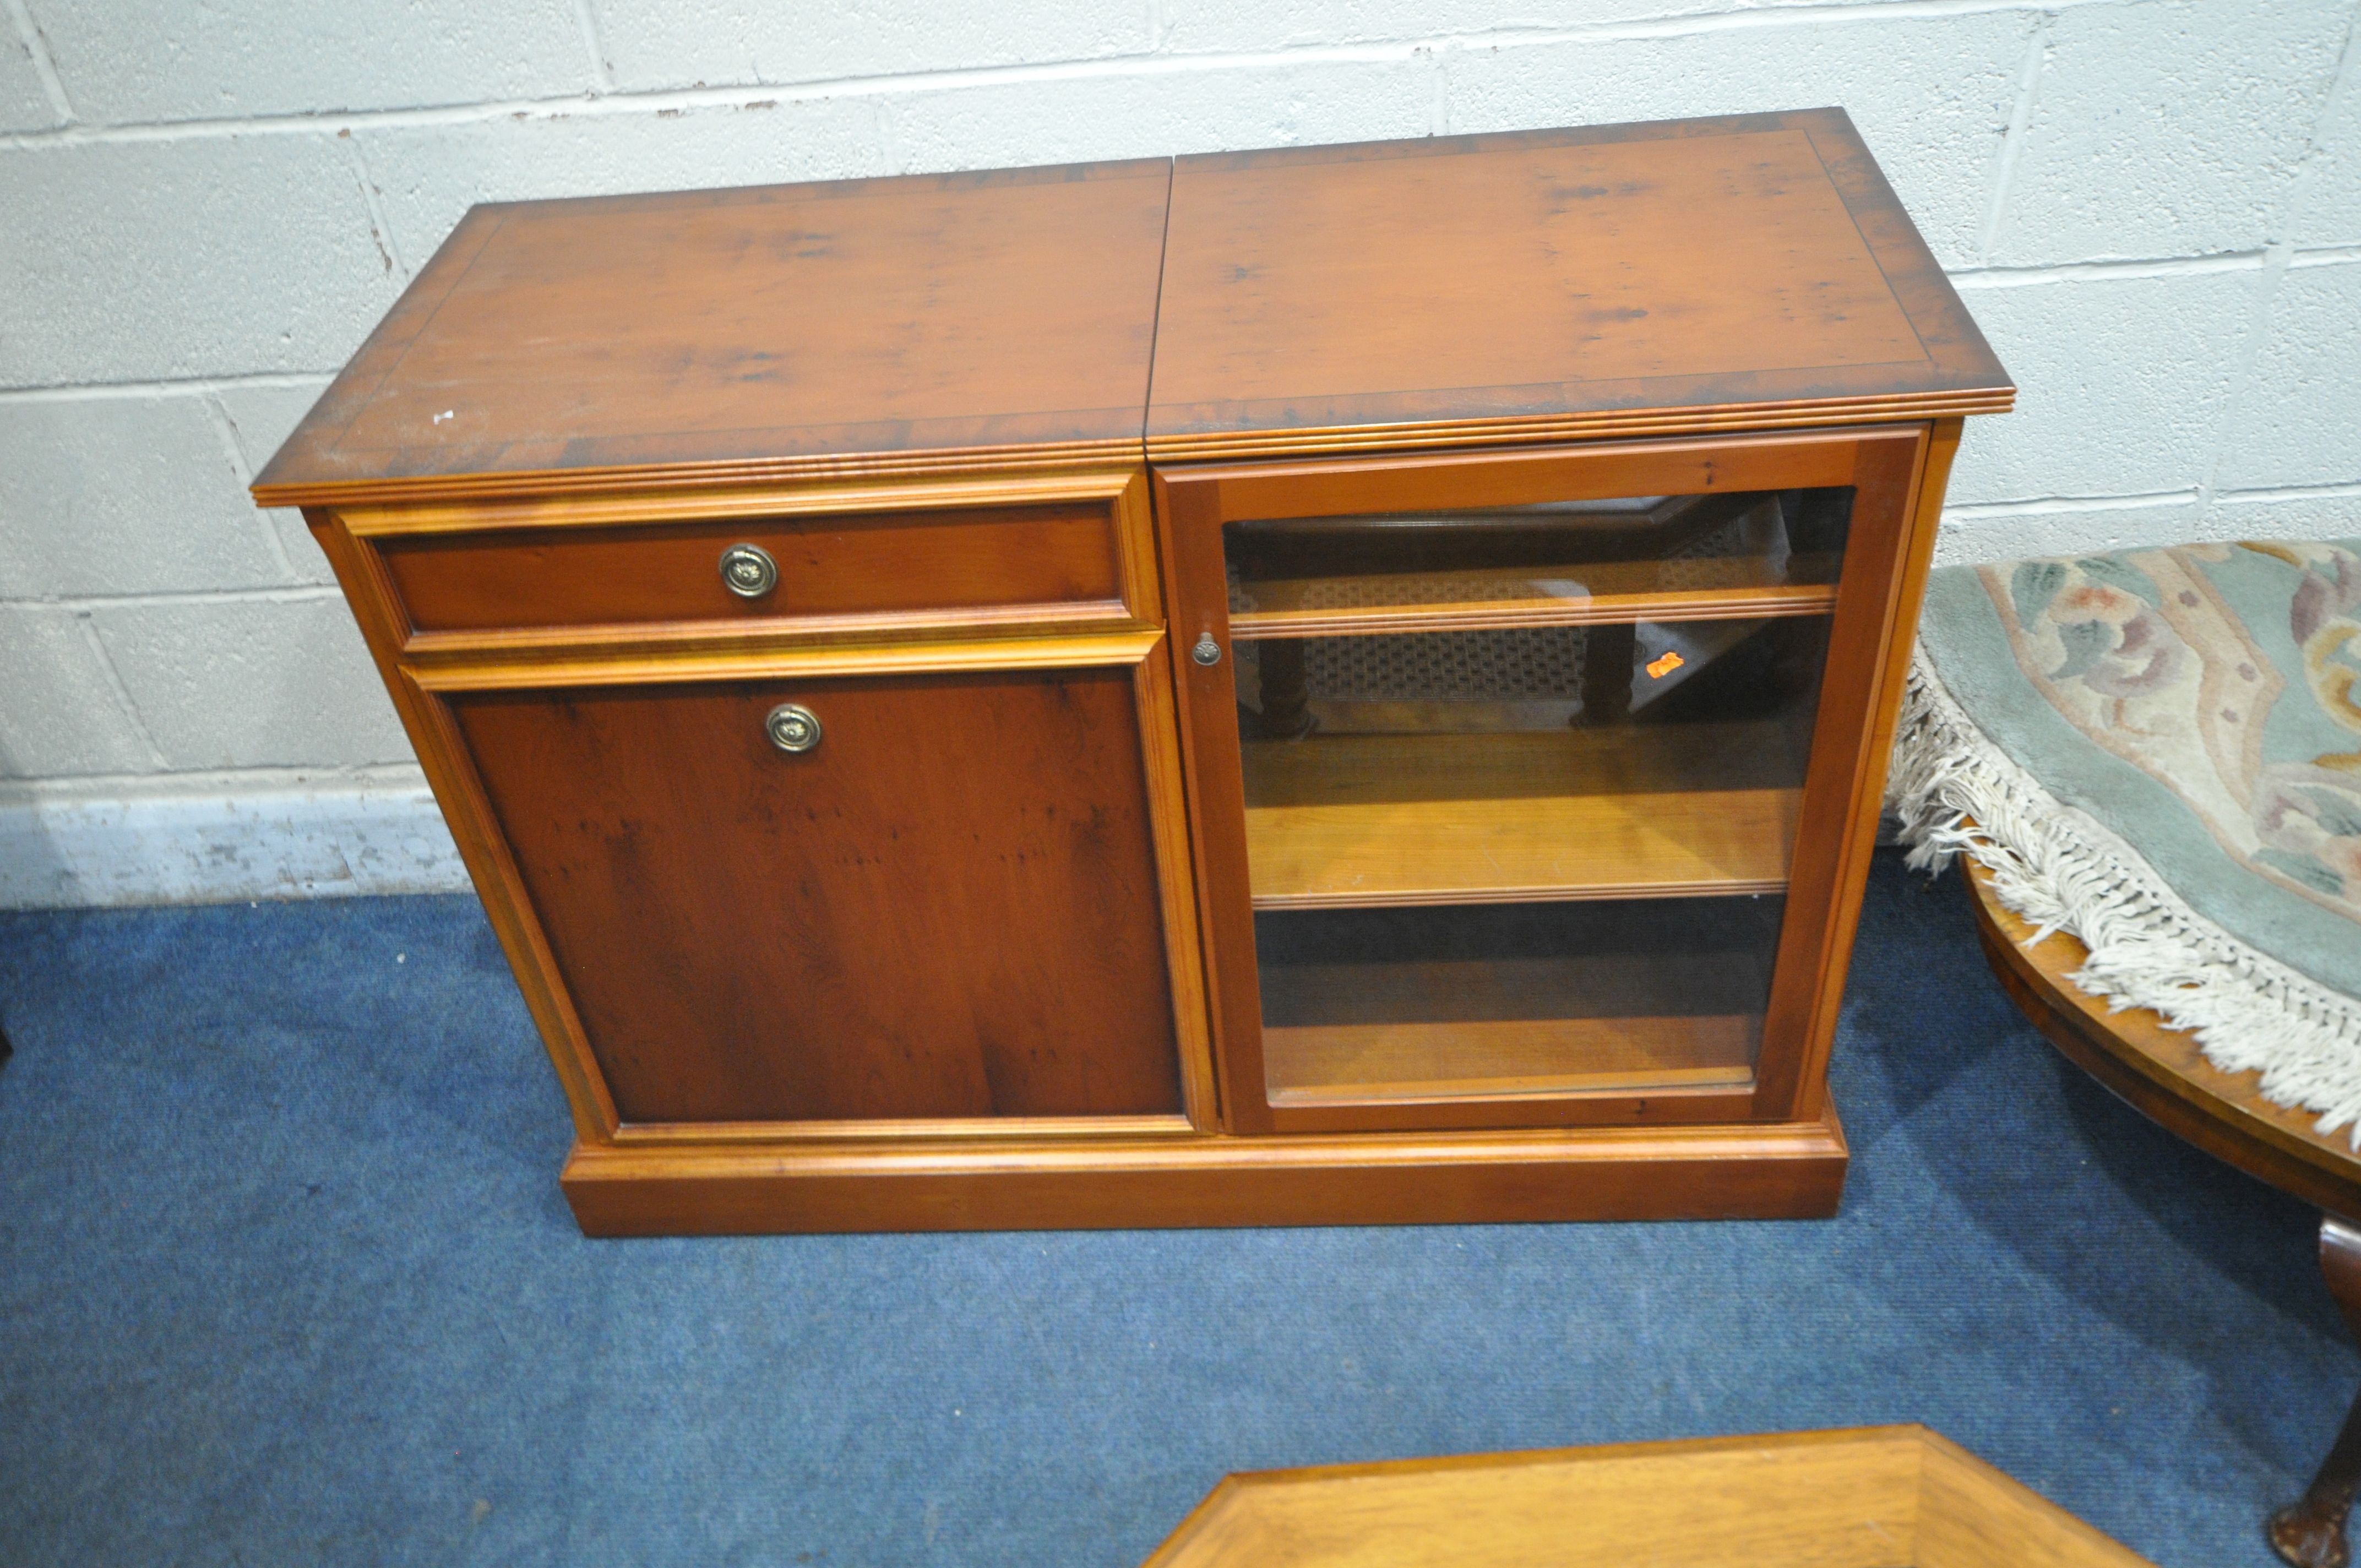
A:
(2153, 206)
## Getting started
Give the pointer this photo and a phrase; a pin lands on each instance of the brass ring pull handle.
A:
(748, 571)
(792, 728)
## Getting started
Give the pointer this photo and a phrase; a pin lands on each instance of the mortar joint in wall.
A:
(1159, 60)
(45, 65)
(225, 426)
(126, 707)
(2020, 118)
(602, 72)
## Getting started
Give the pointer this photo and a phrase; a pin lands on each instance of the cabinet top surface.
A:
(756, 329)
(1620, 279)
(1701, 272)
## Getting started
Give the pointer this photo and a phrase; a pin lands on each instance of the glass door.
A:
(1520, 788)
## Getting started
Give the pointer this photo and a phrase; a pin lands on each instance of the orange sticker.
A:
(1664, 666)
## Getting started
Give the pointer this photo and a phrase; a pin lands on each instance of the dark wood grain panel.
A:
(749, 327)
(948, 908)
(981, 558)
(1678, 266)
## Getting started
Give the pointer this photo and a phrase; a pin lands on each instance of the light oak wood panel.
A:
(1493, 1057)
(1972, 1516)
(1664, 811)
(1828, 1504)
(1867, 1498)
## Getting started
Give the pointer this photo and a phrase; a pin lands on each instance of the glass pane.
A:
(1599, 761)
(1563, 561)
(1521, 788)
(1509, 999)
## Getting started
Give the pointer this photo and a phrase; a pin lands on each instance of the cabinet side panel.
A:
(488, 861)
(1897, 500)
(948, 907)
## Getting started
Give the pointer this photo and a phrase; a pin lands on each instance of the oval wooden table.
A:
(2161, 1072)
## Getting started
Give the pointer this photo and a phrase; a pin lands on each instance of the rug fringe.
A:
(1956, 793)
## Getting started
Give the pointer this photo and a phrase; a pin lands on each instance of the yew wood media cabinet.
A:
(1333, 684)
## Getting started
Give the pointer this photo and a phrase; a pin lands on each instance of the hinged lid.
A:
(1686, 275)
(1748, 272)
(873, 325)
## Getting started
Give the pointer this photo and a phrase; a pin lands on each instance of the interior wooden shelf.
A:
(1335, 821)
(1402, 1004)
(1492, 1058)
(1589, 593)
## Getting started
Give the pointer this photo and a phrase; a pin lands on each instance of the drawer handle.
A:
(792, 727)
(749, 571)
(1207, 651)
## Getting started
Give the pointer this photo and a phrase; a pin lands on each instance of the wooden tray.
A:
(1868, 1497)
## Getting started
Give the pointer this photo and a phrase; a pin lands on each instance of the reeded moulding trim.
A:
(973, 462)
(1588, 426)
(977, 462)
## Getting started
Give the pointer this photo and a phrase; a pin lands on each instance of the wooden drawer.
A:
(1064, 560)
(898, 565)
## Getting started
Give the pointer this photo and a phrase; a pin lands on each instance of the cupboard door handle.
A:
(748, 571)
(792, 726)
(1207, 651)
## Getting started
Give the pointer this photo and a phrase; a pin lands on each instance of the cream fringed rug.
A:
(2159, 752)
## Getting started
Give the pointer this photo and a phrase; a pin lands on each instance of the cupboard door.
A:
(1506, 772)
(846, 898)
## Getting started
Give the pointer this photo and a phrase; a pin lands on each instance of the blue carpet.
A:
(285, 1278)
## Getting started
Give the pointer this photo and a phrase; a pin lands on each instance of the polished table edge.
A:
(1752, 1170)
(2159, 1071)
